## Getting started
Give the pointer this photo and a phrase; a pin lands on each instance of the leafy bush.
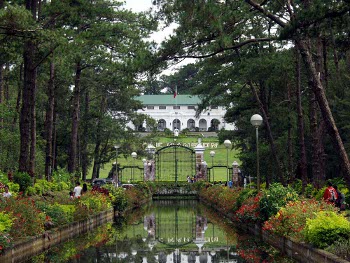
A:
(14, 188)
(28, 220)
(23, 179)
(290, 220)
(249, 212)
(3, 178)
(30, 191)
(326, 228)
(243, 195)
(61, 175)
(119, 199)
(6, 222)
(275, 198)
(222, 197)
(60, 214)
(5, 241)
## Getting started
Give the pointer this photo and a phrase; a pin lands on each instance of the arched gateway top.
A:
(175, 163)
(175, 145)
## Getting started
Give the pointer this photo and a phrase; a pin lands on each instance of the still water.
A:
(166, 231)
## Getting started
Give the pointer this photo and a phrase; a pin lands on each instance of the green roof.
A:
(169, 99)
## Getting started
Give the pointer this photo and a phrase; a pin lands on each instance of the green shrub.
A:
(43, 187)
(120, 201)
(28, 219)
(60, 214)
(6, 222)
(63, 176)
(14, 188)
(290, 220)
(23, 179)
(3, 178)
(244, 195)
(63, 186)
(30, 191)
(326, 228)
(319, 193)
(274, 198)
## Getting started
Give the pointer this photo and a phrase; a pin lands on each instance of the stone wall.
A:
(300, 252)
(25, 249)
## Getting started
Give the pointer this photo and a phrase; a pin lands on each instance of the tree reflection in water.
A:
(166, 231)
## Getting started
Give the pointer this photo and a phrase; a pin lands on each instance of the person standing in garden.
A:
(330, 194)
(7, 193)
(77, 190)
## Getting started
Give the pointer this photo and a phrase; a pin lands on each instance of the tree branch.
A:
(268, 14)
(239, 45)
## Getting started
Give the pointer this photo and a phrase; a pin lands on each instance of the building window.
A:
(191, 107)
(150, 107)
(176, 107)
(162, 107)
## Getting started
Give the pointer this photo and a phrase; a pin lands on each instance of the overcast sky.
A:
(144, 5)
(138, 5)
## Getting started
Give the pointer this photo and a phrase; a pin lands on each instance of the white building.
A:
(179, 113)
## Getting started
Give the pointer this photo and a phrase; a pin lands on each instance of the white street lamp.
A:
(256, 120)
(235, 173)
(133, 155)
(151, 150)
(212, 154)
(227, 144)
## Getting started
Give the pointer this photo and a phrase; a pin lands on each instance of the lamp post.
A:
(235, 173)
(133, 155)
(150, 150)
(212, 154)
(256, 120)
(227, 144)
(116, 179)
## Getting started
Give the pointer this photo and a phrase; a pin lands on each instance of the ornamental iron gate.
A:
(174, 163)
(130, 174)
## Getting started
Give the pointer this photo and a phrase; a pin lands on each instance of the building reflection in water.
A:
(177, 231)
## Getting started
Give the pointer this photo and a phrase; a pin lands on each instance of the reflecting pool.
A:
(165, 231)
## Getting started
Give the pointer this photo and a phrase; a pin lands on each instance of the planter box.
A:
(300, 252)
(22, 250)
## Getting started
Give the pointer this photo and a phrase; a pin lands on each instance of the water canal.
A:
(165, 231)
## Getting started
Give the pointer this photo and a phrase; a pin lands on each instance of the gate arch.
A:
(174, 163)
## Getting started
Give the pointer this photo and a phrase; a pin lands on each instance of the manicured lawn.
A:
(210, 144)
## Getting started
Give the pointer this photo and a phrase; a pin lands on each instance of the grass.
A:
(220, 158)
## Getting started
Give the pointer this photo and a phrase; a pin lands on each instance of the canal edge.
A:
(295, 250)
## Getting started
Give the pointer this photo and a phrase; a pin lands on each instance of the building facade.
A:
(178, 112)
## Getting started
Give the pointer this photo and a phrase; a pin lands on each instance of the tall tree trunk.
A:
(96, 165)
(97, 155)
(72, 163)
(315, 163)
(26, 110)
(320, 67)
(32, 151)
(19, 97)
(302, 166)
(319, 92)
(85, 135)
(270, 137)
(54, 140)
(289, 141)
(49, 122)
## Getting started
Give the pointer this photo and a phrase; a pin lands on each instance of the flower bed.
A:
(280, 212)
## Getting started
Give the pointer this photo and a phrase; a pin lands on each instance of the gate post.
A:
(199, 149)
